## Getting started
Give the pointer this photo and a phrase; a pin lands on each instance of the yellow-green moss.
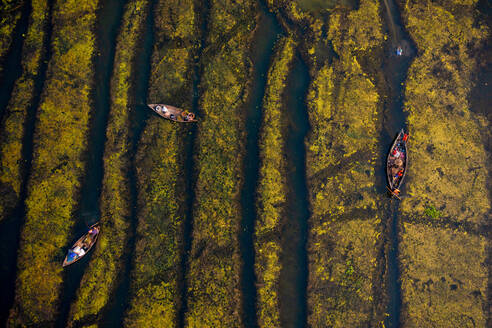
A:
(10, 14)
(447, 171)
(12, 131)
(98, 283)
(444, 281)
(271, 187)
(154, 287)
(213, 280)
(342, 149)
(60, 141)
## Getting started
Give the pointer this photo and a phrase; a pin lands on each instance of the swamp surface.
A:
(271, 210)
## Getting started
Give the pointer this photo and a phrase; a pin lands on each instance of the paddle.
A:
(393, 193)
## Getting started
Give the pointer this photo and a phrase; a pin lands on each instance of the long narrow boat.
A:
(83, 245)
(396, 163)
(173, 113)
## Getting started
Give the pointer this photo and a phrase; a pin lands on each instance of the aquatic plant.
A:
(98, 282)
(11, 11)
(342, 148)
(155, 290)
(272, 187)
(444, 267)
(432, 212)
(213, 278)
(12, 131)
(59, 144)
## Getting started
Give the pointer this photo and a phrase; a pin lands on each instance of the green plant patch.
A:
(444, 279)
(272, 187)
(342, 148)
(155, 295)
(98, 283)
(60, 141)
(213, 278)
(13, 125)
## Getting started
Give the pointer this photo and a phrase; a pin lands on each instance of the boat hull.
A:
(80, 242)
(173, 113)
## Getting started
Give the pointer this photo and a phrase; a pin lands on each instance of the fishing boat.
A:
(173, 113)
(83, 245)
(396, 163)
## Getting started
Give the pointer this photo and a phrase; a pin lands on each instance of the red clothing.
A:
(405, 137)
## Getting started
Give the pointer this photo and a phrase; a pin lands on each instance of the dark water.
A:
(202, 12)
(481, 102)
(10, 228)
(113, 313)
(294, 272)
(395, 70)
(266, 34)
(108, 20)
(12, 68)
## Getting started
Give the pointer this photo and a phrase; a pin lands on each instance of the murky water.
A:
(399, 54)
(294, 272)
(108, 21)
(267, 32)
(10, 228)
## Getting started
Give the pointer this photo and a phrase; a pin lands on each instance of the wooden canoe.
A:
(173, 113)
(397, 162)
(85, 242)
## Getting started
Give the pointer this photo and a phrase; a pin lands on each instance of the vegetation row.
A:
(60, 142)
(12, 167)
(155, 286)
(214, 263)
(272, 187)
(100, 279)
(448, 180)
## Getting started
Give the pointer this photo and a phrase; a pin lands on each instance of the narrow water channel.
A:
(395, 68)
(109, 17)
(266, 33)
(294, 272)
(114, 313)
(10, 228)
(202, 12)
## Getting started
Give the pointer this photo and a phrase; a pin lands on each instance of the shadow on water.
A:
(12, 62)
(266, 33)
(294, 271)
(10, 228)
(202, 12)
(481, 103)
(113, 313)
(395, 69)
(109, 16)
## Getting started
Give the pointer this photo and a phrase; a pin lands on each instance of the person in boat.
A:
(79, 251)
(172, 116)
(396, 191)
(405, 137)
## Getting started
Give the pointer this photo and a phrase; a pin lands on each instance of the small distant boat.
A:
(83, 245)
(173, 113)
(396, 163)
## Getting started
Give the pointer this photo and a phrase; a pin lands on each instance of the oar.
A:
(393, 193)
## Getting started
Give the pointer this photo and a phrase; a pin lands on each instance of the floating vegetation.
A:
(60, 142)
(272, 187)
(12, 132)
(342, 149)
(155, 294)
(213, 278)
(440, 266)
(98, 283)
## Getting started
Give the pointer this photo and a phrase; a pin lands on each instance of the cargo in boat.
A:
(173, 113)
(83, 245)
(396, 163)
